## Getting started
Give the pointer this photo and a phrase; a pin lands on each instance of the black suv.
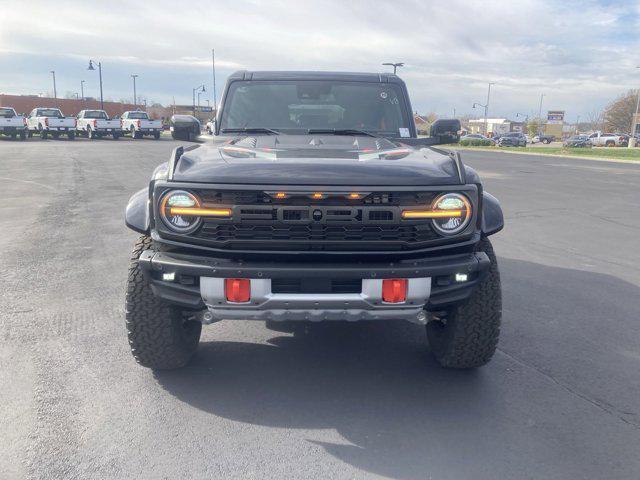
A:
(316, 201)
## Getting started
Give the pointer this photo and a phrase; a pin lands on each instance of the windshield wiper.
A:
(341, 131)
(251, 130)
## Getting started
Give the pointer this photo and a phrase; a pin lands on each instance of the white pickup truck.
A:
(599, 139)
(50, 121)
(137, 124)
(96, 124)
(12, 124)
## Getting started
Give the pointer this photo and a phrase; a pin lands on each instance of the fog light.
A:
(237, 290)
(461, 277)
(394, 290)
(169, 277)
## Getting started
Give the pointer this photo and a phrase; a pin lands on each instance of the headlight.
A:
(450, 213)
(176, 209)
(182, 212)
(455, 210)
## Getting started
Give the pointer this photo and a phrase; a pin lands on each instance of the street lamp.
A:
(55, 93)
(82, 89)
(542, 95)
(135, 98)
(91, 67)
(394, 65)
(197, 89)
(634, 121)
(486, 109)
(77, 96)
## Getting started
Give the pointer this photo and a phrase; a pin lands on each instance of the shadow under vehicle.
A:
(315, 201)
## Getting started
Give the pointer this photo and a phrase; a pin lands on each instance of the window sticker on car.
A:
(404, 132)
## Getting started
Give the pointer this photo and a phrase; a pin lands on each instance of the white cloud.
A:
(580, 54)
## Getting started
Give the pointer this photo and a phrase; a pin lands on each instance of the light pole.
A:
(55, 92)
(485, 114)
(542, 95)
(91, 67)
(633, 120)
(82, 89)
(577, 124)
(77, 97)
(213, 64)
(135, 98)
(196, 89)
(394, 65)
(199, 93)
(486, 110)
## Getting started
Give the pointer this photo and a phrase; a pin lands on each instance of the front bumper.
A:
(197, 282)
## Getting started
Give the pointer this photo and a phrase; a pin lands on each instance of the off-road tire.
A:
(160, 335)
(469, 336)
(71, 135)
(156, 135)
(23, 135)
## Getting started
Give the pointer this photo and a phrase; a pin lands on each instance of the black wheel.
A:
(13, 136)
(467, 336)
(90, 133)
(161, 336)
(43, 133)
(547, 141)
(71, 135)
(55, 135)
(610, 143)
(116, 135)
(23, 135)
(156, 135)
(30, 134)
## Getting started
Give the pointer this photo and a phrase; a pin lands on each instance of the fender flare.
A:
(492, 217)
(136, 215)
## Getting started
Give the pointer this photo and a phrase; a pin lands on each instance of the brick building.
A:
(70, 106)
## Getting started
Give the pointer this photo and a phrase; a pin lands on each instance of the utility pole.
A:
(454, 112)
(213, 65)
(82, 89)
(135, 98)
(55, 92)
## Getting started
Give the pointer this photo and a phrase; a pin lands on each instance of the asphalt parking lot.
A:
(560, 400)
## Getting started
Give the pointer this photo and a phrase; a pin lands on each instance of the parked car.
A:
(581, 141)
(232, 229)
(50, 121)
(512, 139)
(599, 139)
(184, 127)
(11, 124)
(137, 124)
(96, 124)
(541, 138)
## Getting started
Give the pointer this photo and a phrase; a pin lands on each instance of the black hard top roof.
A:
(305, 75)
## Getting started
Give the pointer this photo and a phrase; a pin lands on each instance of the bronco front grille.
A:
(262, 222)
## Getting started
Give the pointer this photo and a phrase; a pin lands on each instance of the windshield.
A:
(7, 113)
(138, 115)
(101, 114)
(301, 105)
(49, 112)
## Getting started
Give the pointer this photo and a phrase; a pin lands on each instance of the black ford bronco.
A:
(315, 201)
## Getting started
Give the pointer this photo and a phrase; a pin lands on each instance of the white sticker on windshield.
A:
(404, 132)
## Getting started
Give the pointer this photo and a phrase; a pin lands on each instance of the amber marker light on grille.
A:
(432, 213)
(200, 212)
(355, 196)
(317, 195)
(280, 195)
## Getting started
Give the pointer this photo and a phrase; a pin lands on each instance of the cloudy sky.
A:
(580, 54)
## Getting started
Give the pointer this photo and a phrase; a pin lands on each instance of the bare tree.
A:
(595, 120)
(618, 115)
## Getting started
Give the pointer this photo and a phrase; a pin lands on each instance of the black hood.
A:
(316, 160)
